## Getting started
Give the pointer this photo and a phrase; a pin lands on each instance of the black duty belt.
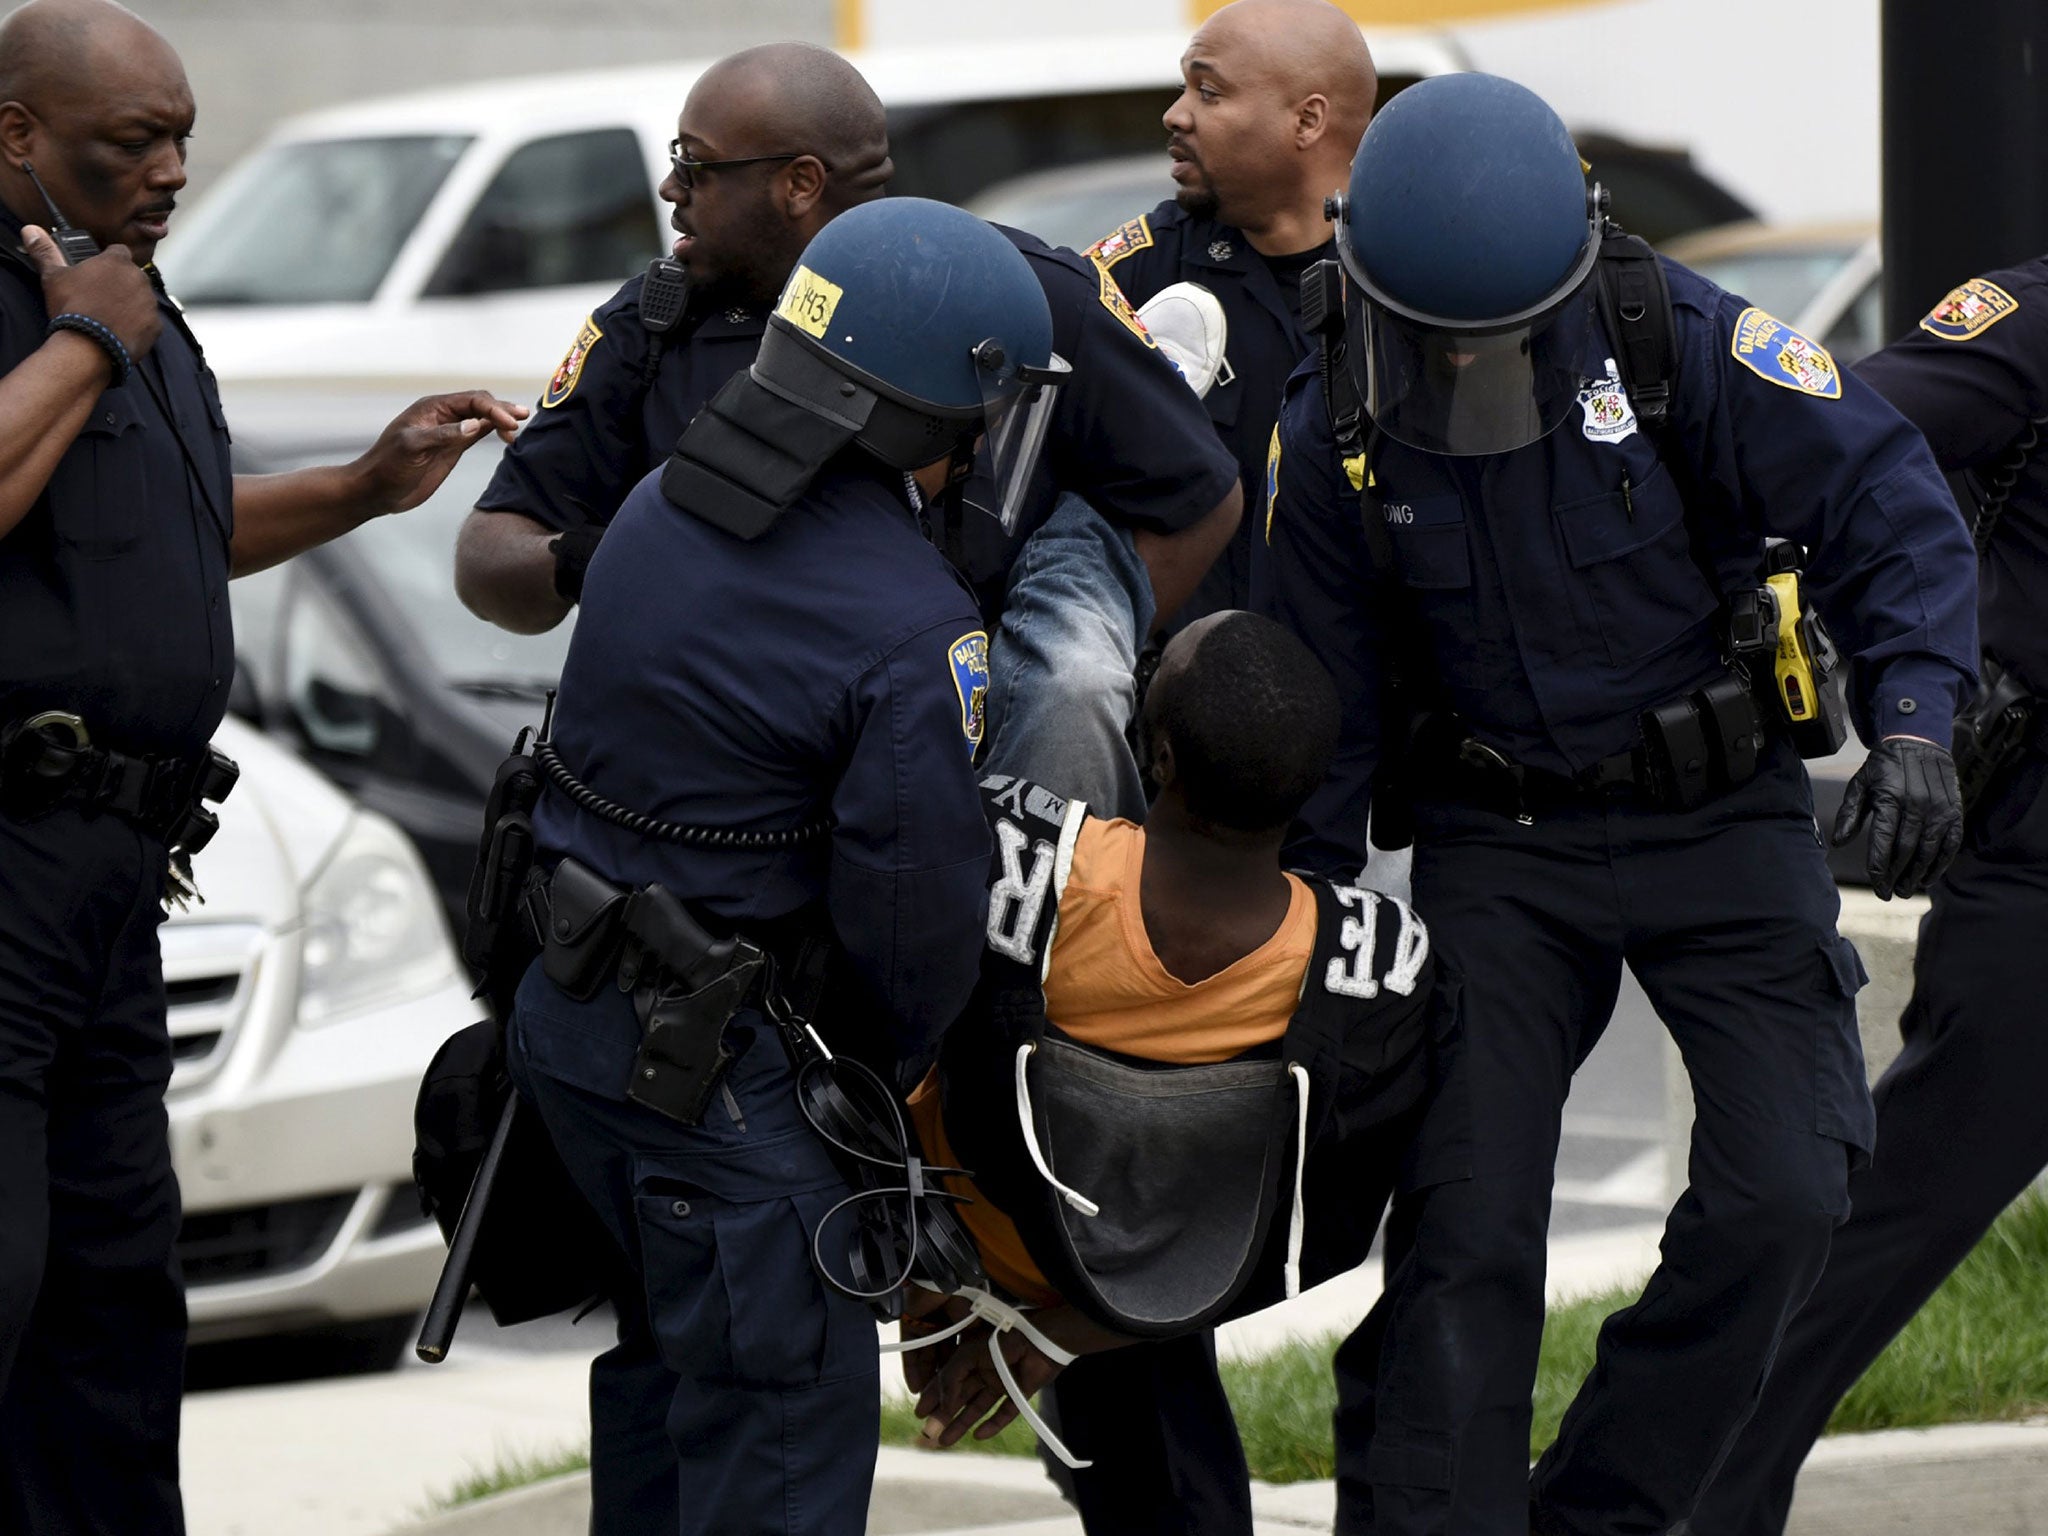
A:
(1687, 752)
(49, 760)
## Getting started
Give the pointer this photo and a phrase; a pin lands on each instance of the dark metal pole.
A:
(1965, 145)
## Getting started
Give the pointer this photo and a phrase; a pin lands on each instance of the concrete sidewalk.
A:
(365, 1455)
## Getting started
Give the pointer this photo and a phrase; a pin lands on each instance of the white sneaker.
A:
(1187, 322)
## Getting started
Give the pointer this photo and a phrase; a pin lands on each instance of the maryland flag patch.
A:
(563, 384)
(1772, 350)
(1968, 311)
(1119, 243)
(1114, 301)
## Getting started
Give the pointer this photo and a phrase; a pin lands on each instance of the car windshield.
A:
(318, 222)
(412, 556)
(1781, 282)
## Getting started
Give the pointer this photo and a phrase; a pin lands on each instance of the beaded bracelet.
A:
(109, 343)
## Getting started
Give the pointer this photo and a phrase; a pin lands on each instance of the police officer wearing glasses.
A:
(120, 524)
(1553, 547)
(1134, 501)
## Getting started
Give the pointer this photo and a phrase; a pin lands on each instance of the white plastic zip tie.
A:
(1298, 1221)
(989, 1308)
(1073, 1197)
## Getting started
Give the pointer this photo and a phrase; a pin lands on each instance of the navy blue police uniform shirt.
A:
(834, 667)
(1261, 301)
(599, 429)
(1557, 587)
(1127, 434)
(1973, 377)
(113, 588)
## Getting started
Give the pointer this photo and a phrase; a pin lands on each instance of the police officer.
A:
(1959, 1128)
(120, 524)
(771, 642)
(1275, 94)
(1589, 790)
(772, 144)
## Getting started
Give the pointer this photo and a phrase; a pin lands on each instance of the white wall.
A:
(1776, 98)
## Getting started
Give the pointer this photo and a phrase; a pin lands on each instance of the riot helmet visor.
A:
(1461, 388)
(1017, 402)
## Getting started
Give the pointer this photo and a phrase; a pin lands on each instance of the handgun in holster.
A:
(498, 942)
(1992, 731)
(686, 987)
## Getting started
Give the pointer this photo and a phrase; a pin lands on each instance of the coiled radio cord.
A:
(588, 799)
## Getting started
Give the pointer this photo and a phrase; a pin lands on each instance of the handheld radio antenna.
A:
(76, 244)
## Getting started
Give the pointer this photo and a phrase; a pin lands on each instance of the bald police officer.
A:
(772, 144)
(120, 523)
(1273, 98)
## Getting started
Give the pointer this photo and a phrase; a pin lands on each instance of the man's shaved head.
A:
(96, 100)
(1276, 96)
(795, 96)
(1296, 49)
(51, 49)
(818, 141)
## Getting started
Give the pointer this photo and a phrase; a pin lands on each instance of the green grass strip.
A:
(512, 1469)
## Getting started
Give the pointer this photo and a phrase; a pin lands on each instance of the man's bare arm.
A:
(277, 516)
(505, 572)
(1179, 561)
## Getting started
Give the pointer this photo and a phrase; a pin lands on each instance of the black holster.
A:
(1993, 731)
(686, 985)
(498, 942)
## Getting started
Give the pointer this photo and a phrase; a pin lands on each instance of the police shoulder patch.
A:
(1114, 301)
(1120, 242)
(1968, 311)
(1772, 350)
(563, 384)
(969, 659)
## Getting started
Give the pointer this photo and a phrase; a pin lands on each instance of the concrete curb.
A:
(1984, 1479)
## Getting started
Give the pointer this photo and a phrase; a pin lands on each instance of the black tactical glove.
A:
(1906, 790)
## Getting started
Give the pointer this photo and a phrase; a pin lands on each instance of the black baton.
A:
(437, 1332)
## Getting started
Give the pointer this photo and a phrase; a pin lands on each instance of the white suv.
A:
(306, 996)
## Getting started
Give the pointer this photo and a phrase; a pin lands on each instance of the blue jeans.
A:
(1061, 691)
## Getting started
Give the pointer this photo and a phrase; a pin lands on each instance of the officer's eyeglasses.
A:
(686, 169)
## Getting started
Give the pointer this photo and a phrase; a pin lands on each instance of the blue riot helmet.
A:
(909, 330)
(1468, 239)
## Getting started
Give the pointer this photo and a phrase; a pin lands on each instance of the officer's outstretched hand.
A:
(413, 455)
(108, 288)
(1906, 790)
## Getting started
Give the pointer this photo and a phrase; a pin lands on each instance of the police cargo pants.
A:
(92, 1315)
(1726, 915)
(743, 1398)
(1960, 1133)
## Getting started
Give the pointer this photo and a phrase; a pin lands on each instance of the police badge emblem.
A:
(1772, 350)
(1969, 311)
(1120, 242)
(563, 384)
(1609, 416)
(1221, 250)
(969, 658)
